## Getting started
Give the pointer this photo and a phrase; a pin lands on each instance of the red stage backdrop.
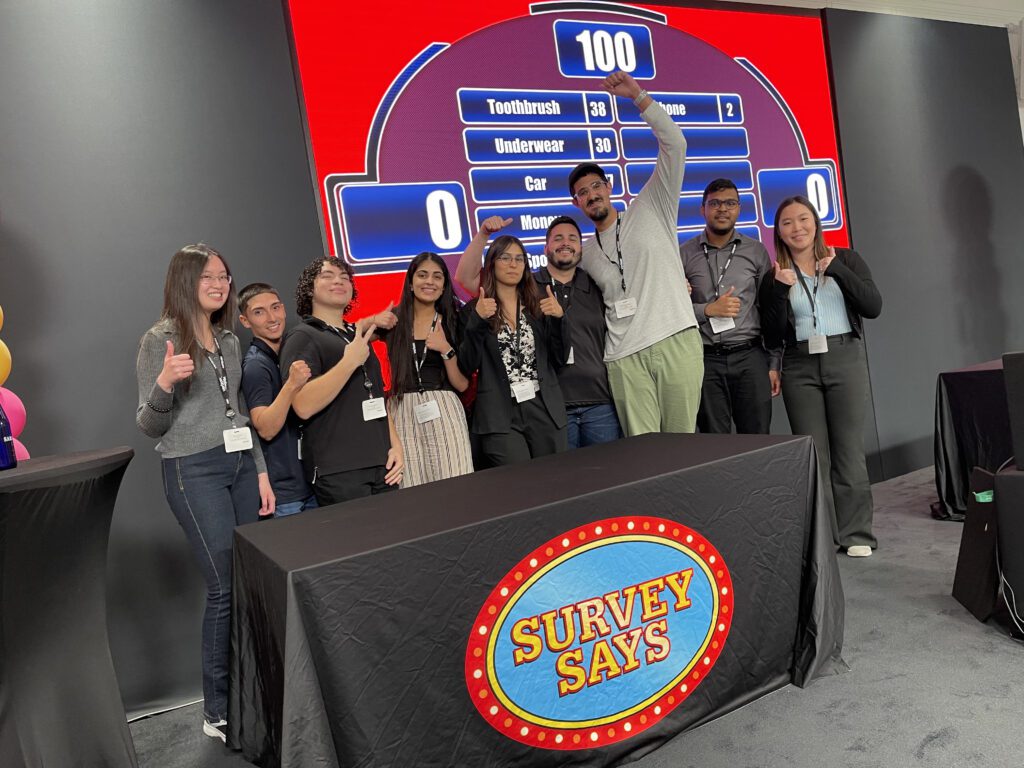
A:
(425, 118)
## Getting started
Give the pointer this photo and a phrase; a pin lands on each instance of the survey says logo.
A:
(598, 634)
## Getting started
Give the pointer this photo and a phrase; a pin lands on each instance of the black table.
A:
(59, 700)
(356, 627)
(971, 430)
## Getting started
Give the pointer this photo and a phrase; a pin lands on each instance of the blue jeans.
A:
(210, 493)
(592, 424)
(294, 507)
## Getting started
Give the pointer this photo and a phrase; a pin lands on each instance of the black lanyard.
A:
(810, 297)
(222, 379)
(570, 289)
(416, 359)
(721, 275)
(618, 251)
(350, 328)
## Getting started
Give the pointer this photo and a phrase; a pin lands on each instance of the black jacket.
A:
(859, 293)
(478, 351)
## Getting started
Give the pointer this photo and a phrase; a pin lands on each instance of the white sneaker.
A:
(860, 550)
(216, 730)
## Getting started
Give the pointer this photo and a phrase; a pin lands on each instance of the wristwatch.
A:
(449, 354)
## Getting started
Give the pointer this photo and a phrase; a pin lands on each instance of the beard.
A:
(599, 213)
(719, 230)
(563, 260)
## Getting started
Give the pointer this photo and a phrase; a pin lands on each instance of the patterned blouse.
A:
(521, 367)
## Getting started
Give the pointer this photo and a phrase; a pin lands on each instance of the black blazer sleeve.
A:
(773, 302)
(472, 334)
(854, 279)
(559, 338)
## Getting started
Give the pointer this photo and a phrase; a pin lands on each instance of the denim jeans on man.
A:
(210, 493)
(592, 424)
(294, 507)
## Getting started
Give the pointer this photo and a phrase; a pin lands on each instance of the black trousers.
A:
(532, 434)
(350, 484)
(736, 389)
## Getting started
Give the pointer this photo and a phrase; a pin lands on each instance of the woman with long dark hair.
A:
(189, 371)
(515, 339)
(425, 376)
(819, 299)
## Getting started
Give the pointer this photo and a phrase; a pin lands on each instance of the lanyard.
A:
(810, 297)
(416, 359)
(570, 289)
(350, 328)
(618, 251)
(721, 275)
(222, 379)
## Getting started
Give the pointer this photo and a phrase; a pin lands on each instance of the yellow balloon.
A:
(1, 317)
(5, 362)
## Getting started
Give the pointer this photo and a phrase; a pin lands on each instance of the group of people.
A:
(624, 333)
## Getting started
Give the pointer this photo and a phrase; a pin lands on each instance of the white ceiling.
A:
(997, 13)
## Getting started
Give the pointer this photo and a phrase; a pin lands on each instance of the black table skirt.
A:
(353, 623)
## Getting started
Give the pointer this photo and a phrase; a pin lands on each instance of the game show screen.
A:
(425, 118)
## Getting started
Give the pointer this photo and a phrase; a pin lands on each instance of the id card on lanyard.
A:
(373, 407)
(623, 307)
(429, 410)
(236, 438)
(817, 344)
(720, 324)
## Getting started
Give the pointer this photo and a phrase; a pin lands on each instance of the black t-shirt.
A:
(261, 384)
(585, 382)
(337, 438)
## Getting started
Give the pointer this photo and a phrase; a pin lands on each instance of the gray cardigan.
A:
(195, 419)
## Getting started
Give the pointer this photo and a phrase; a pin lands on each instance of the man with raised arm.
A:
(653, 348)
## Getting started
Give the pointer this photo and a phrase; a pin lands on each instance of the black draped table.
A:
(580, 609)
(972, 429)
(59, 700)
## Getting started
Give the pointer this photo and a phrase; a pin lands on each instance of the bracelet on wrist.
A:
(158, 410)
(640, 97)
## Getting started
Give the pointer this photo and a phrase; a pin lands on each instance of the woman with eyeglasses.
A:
(514, 339)
(425, 375)
(819, 299)
(189, 372)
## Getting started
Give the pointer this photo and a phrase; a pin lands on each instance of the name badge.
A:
(719, 324)
(625, 308)
(239, 439)
(817, 344)
(572, 357)
(427, 411)
(374, 409)
(523, 391)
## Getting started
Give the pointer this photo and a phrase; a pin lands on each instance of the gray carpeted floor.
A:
(928, 685)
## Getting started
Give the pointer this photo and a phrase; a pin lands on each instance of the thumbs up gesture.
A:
(725, 305)
(785, 276)
(494, 224)
(486, 307)
(549, 305)
(386, 319)
(176, 368)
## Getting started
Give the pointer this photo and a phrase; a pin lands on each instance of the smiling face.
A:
(592, 195)
(332, 288)
(265, 317)
(427, 282)
(509, 265)
(721, 210)
(563, 246)
(797, 227)
(214, 285)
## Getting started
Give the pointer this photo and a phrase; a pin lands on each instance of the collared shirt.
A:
(585, 382)
(261, 384)
(747, 267)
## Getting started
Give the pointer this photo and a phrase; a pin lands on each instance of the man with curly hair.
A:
(349, 445)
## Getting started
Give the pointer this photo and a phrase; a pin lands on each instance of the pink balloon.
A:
(20, 451)
(15, 410)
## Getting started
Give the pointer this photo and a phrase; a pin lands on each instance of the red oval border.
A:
(514, 727)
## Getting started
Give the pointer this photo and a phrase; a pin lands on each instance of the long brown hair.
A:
(782, 254)
(526, 288)
(181, 298)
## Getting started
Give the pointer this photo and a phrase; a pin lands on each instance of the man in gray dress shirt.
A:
(726, 270)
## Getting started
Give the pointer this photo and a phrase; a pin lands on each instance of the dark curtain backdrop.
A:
(131, 128)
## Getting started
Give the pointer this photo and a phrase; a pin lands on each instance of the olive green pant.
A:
(658, 388)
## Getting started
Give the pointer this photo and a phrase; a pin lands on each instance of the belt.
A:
(839, 339)
(725, 349)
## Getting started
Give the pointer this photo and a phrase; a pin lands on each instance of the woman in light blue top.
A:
(819, 298)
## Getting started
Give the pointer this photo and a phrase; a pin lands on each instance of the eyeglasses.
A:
(727, 204)
(590, 188)
(211, 279)
(510, 258)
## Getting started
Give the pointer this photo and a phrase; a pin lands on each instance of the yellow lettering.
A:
(573, 676)
(649, 597)
(657, 641)
(628, 643)
(679, 583)
(603, 662)
(568, 628)
(530, 646)
(623, 616)
(591, 615)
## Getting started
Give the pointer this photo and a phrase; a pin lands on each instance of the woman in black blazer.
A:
(515, 340)
(817, 303)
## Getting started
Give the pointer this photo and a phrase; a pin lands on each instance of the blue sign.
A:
(815, 182)
(486, 145)
(698, 175)
(531, 221)
(532, 182)
(641, 144)
(490, 105)
(591, 49)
